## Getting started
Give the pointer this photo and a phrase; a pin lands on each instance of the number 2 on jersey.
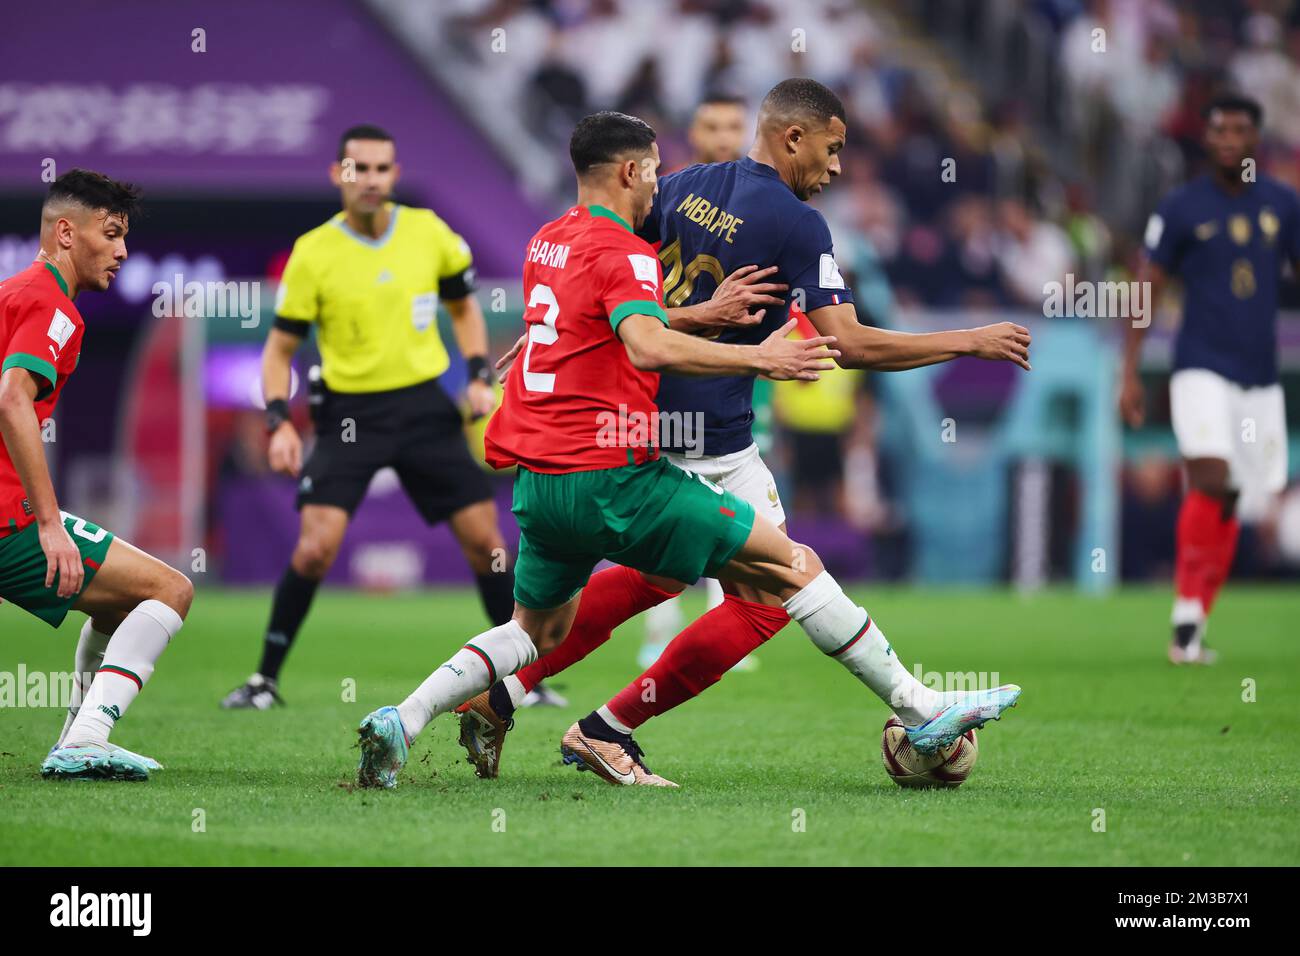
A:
(544, 334)
(77, 526)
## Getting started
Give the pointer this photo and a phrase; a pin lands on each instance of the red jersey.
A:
(573, 400)
(40, 330)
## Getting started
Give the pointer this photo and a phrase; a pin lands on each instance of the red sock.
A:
(1228, 532)
(1199, 544)
(611, 597)
(697, 658)
(1207, 543)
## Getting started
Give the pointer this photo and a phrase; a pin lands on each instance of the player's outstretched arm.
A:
(22, 437)
(888, 351)
(738, 300)
(285, 453)
(652, 347)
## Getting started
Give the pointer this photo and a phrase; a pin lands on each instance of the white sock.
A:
(1187, 610)
(515, 688)
(844, 631)
(86, 660)
(128, 663)
(663, 621)
(607, 715)
(473, 669)
(1190, 610)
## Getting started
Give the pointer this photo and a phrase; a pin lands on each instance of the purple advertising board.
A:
(241, 97)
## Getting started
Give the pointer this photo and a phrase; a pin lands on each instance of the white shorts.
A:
(1214, 417)
(744, 474)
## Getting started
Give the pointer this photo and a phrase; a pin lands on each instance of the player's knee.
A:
(487, 555)
(1209, 477)
(480, 538)
(107, 622)
(177, 592)
(805, 564)
(314, 556)
(545, 643)
(664, 584)
(546, 635)
(1215, 486)
(750, 594)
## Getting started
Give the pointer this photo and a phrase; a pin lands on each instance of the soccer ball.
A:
(907, 768)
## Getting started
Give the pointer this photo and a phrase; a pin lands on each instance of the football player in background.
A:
(1227, 236)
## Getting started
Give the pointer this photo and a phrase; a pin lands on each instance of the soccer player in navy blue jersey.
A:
(709, 221)
(1227, 235)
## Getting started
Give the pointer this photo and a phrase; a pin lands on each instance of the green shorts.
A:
(23, 565)
(654, 517)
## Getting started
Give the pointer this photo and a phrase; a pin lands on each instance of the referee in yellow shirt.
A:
(370, 280)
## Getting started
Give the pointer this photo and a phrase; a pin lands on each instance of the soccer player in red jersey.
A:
(1227, 236)
(579, 421)
(52, 562)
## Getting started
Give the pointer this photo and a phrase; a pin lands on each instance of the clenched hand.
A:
(1003, 342)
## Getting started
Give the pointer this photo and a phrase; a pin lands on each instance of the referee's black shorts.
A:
(417, 431)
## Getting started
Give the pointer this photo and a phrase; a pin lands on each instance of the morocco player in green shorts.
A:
(579, 421)
(52, 562)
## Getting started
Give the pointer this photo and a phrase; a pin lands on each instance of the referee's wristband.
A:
(277, 413)
(479, 370)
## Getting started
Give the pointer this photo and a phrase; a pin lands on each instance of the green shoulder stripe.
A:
(638, 307)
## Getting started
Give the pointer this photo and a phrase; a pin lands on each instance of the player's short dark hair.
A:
(1236, 103)
(364, 131)
(95, 191)
(603, 137)
(719, 98)
(804, 101)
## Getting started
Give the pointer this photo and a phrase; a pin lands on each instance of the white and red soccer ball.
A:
(948, 767)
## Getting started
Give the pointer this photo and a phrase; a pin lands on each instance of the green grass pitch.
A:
(781, 766)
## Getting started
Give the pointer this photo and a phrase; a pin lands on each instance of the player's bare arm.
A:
(741, 291)
(1132, 395)
(22, 437)
(285, 452)
(884, 350)
(653, 347)
(738, 300)
(471, 337)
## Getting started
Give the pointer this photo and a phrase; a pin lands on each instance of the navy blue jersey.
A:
(710, 220)
(1229, 252)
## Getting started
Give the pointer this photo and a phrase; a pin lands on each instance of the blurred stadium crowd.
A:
(1067, 119)
(1041, 189)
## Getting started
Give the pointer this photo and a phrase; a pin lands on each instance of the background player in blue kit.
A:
(1227, 235)
(709, 221)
